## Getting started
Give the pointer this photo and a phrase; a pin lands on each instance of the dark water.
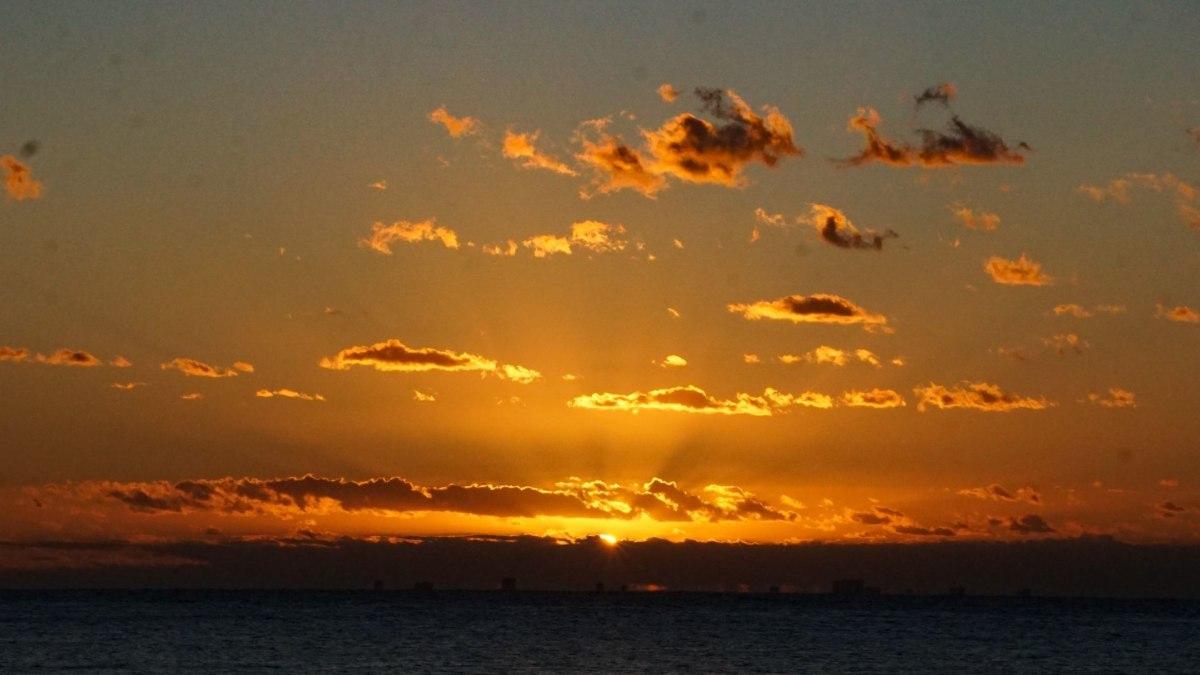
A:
(401, 632)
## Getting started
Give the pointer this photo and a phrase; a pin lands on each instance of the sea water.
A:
(530, 632)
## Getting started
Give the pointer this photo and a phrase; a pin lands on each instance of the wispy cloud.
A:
(1020, 272)
(835, 228)
(975, 396)
(616, 165)
(395, 356)
(959, 143)
(693, 399)
(455, 126)
(940, 93)
(19, 183)
(14, 354)
(1186, 195)
(975, 220)
(288, 393)
(667, 92)
(383, 235)
(832, 356)
(196, 368)
(817, 308)
(1066, 343)
(1116, 398)
(996, 492)
(522, 147)
(874, 398)
(127, 386)
(1180, 313)
(69, 357)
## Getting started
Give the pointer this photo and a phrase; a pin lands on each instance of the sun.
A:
(608, 539)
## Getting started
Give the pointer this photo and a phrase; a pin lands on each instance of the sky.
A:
(769, 273)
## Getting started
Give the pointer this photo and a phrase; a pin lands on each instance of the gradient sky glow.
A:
(473, 268)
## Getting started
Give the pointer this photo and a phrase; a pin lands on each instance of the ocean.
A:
(614, 632)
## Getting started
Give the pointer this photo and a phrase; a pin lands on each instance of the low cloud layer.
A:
(818, 308)
(1020, 272)
(658, 499)
(693, 399)
(975, 396)
(394, 356)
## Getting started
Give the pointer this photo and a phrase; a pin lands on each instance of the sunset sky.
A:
(766, 273)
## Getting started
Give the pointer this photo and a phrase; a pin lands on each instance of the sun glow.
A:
(608, 539)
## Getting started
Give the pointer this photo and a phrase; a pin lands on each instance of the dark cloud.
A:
(29, 149)
(919, 531)
(835, 228)
(1029, 524)
(940, 93)
(817, 308)
(69, 357)
(959, 143)
(394, 356)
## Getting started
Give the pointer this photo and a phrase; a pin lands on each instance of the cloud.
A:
(1169, 509)
(193, 396)
(1019, 272)
(14, 354)
(545, 245)
(940, 93)
(1117, 398)
(507, 250)
(658, 499)
(288, 393)
(69, 357)
(1180, 313)
(616, 165)
(996, 492)
(975, 221)
(673, 361)
(521, 146)
(198, 368)
(456, 126)
(1186, 195)
(817, 308)
(1080, 312)
(975, 396)
(832, 356)
(1029, 524)
(1065, 343)
(423, 397)
(875, 398)
(697, 151)
(127, 386)
(18, 180)
(120, 362)
(960, 143)
(378, 185)
(667, 92)
(835, 228)
(750, 358)
(693, 399)
(382, 234)
(395, 356)
(591, 235)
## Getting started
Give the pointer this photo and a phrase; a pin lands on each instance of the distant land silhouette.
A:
(1094, 567)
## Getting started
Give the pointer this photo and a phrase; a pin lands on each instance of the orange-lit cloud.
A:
(69, 357)
(961, 143)
(521, 146)
(875, 398)
(832, 356)
(1080, 312)
(120, 362)
(940, 93)
(506, 250)
(423, 397)
(1180, 313)
(127, 386)
(591, 235)
(14, 354)
(981, 220)
(395, 356)
(975, 396)
(667, 92)
(1019, 272)
(996, 492)
(697, 151)
(455, 126)
(657, 500)
(288, 393)
(617, 166)
(193, 396)
(545, 245)
(382, 234)
(836, 229)
(1066, 343)
(693, 399)
(1186, 195)
(378, 185)
(1117, 398)
(19, 183)
(200, 369)
(817, 308)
